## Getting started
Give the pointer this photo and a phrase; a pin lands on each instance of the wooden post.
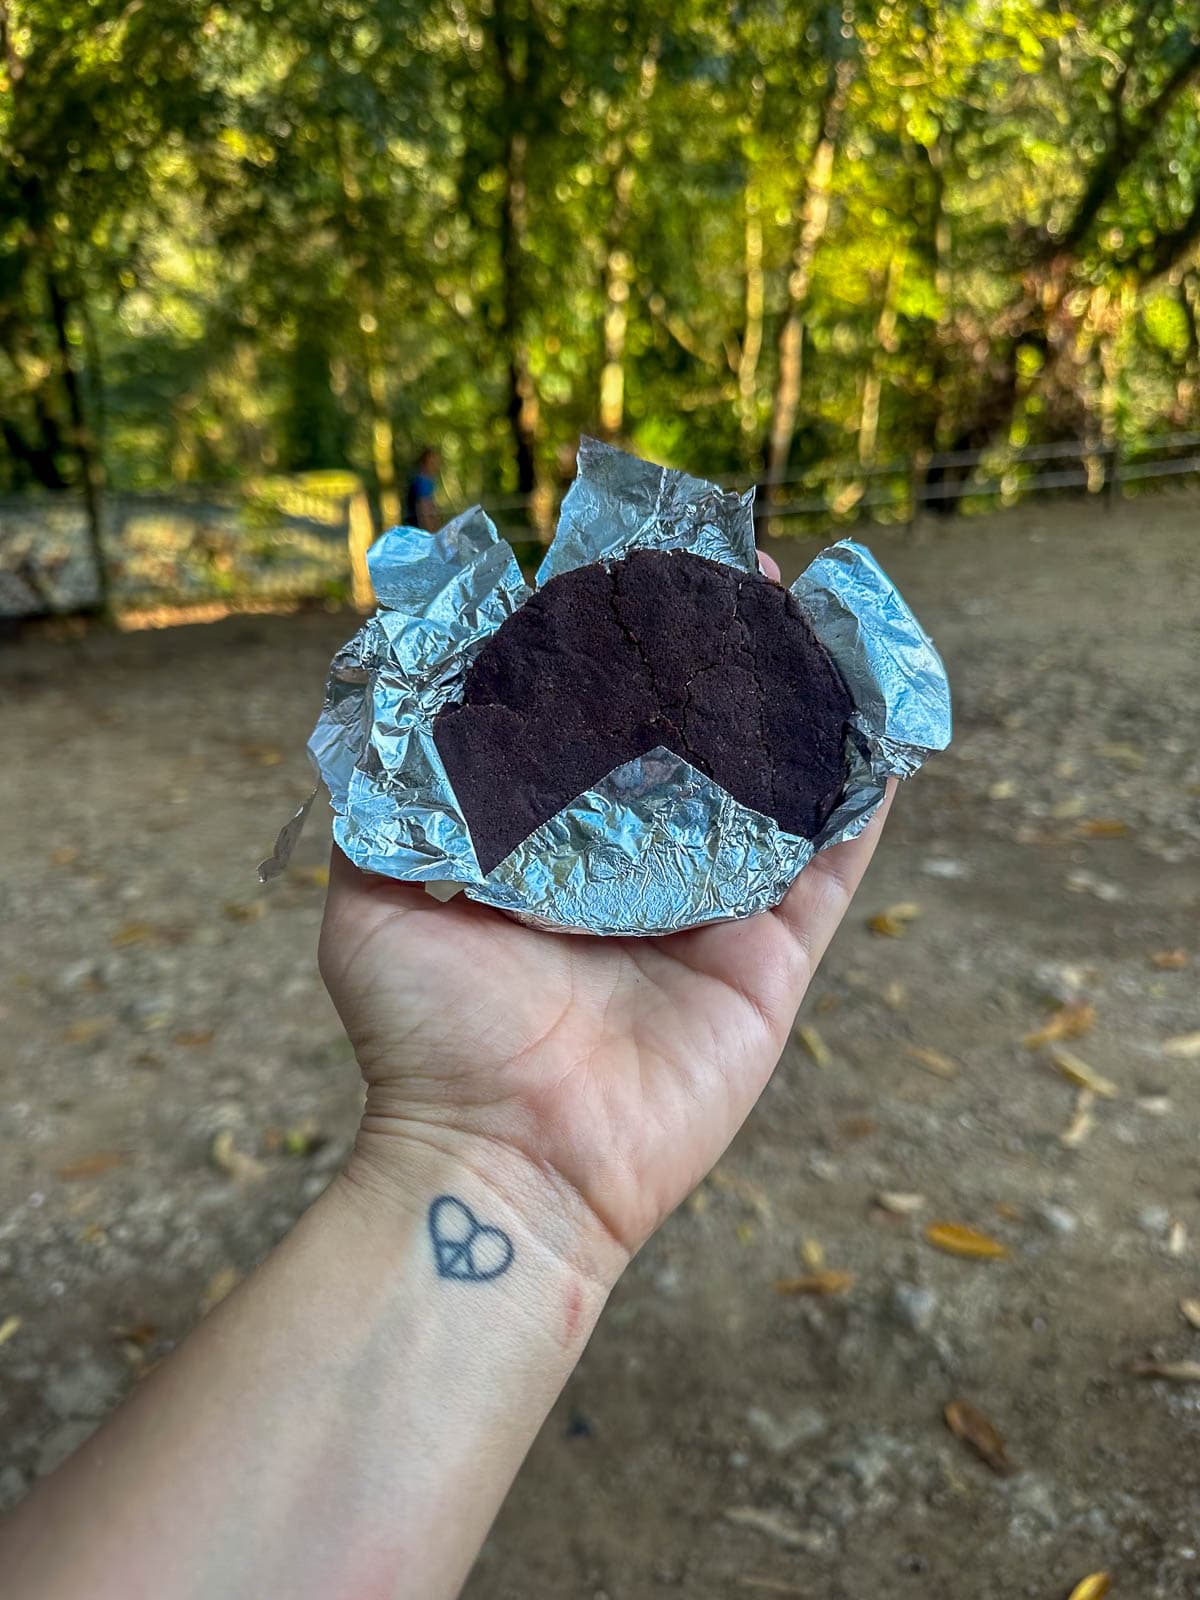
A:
(359, 538)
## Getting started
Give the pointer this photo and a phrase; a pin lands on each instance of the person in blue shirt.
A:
(420, 508)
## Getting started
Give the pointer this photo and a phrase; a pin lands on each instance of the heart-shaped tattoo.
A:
(463, 1247)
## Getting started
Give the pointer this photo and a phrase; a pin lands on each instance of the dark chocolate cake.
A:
(661, 648)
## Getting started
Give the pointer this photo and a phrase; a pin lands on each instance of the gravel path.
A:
(174, 1089)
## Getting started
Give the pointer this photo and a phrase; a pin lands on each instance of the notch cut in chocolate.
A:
(660, 648)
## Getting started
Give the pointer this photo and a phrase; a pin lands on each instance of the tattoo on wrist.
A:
(463, 1247)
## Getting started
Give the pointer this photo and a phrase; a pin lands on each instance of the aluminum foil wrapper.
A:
(656, 846)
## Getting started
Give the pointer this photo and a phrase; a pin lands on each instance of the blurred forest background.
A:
(772, 241)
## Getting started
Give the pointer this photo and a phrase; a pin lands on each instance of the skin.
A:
(347, 1423)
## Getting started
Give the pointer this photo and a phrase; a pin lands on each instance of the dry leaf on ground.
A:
(8, 1326)
(815, 1045)
(1169, 960)
(1191, 1311)
(933, 1061)
(1184, 1046)
(1177, 1237)
(87, 1029)
(263, 755)
(970, 1425)
(827, 1282)
(899, 1203)
(309, 877)
(1079, 1073)
(812, 1253)
(132, 933)
(1081, 1123)
(1069, 1021)
(1102, 828)
(1127, 754)
(64, 855)
(892, 921)
(245, 911)
(956, 1239)
(773, 1523)
(234, 1163)
(1173, 1371)
(92, 1166)
(220, 1284)
(1094, 1587)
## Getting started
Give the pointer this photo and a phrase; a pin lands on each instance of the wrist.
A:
(452, 1183)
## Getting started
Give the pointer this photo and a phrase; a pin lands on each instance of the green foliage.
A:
(274, 239)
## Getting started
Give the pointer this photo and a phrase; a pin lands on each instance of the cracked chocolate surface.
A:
(660, 648)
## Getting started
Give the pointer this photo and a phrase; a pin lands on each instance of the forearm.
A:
(345, 1425)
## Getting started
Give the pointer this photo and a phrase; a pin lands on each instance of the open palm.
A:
(618, 1069)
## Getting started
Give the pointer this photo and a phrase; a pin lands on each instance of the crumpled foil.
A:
(656, 846)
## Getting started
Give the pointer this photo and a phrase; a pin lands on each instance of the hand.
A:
(593, 1078)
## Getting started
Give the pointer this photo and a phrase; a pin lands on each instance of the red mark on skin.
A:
(574, 1313)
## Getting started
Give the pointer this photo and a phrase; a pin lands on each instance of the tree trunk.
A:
(814, 218)
(885, 333)
(617, 271)
(752, 320)
(83, 444)
(522, 405)
(383, 435)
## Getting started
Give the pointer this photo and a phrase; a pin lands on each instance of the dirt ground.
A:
(719, 1438)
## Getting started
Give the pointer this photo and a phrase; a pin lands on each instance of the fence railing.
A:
(306, 537)
(840, 493)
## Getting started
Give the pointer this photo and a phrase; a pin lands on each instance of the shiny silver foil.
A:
(656, 846)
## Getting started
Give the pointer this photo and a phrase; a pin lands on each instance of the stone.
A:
(915, 1306)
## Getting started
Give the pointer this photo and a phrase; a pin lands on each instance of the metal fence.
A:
(271, 540)
(305, 537)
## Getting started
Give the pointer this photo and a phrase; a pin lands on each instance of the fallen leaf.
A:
(1127, 754)
(812, 1253)
(745, 1232)
(93, 1234)
(1173, 1371)
(1102, 828)
(304, 1138)
(1003, 790)
(1081, 1123)
(134, 933)
(1155, 1105)
(815, 1045)
(92, 1166)
(1080, 1074)
(1010, 1213)
(958, 1240)
(1184, 1046)
(898, 1203)
(221, 1283)
(138, 1333)
(895, 996)
(1069, 1021)
(8, 1327)
(193, 1038)
(826, 1282)
(234, 1163)
(87, 1029)
(893, 920)
(245, 911)
(1169, 960)
(933, 1061)
(309, 877)
(64, 855)
(1177, 1238)
(263, 755)
(1094, 1587)
(773, 1523)
(1191, 1311)
(970, 1425)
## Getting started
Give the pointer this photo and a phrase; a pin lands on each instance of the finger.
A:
(816, 903)
(768, 564)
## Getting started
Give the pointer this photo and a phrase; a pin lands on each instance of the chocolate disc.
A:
(660, 648)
